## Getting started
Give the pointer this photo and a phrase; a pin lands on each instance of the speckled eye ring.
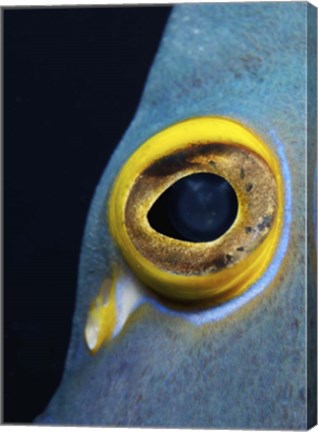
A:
(187, 271)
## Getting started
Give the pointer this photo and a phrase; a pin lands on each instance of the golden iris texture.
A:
(196, 211)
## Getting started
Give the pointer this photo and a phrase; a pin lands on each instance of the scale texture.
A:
(248, 370)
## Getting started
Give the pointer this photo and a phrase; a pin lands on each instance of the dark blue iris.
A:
(198, 208)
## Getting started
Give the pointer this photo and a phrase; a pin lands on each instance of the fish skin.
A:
(247, 62)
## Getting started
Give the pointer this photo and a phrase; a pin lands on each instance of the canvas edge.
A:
(311, 220)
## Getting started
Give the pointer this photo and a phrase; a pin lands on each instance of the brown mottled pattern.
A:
(198, 258)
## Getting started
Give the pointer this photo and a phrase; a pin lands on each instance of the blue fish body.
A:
(242, 365)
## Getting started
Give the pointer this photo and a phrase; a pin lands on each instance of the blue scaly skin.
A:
(241, 365)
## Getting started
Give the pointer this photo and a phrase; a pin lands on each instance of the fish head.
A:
(164, 335)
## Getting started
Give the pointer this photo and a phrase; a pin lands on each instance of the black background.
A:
(72, 80)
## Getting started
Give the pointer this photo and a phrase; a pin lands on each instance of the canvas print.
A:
(196, 295)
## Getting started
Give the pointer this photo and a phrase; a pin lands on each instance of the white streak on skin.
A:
(101, 317)
(130, 293)
(91, 332)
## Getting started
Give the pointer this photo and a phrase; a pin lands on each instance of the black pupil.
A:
(197, 208)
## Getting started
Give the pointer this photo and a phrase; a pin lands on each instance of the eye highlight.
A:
(197, 210)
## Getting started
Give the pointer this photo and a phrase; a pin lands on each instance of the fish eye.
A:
(196, 211)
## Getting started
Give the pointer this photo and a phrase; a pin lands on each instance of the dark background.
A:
(72, 81)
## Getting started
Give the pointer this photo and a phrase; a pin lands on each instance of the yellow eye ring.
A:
(224, 267)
